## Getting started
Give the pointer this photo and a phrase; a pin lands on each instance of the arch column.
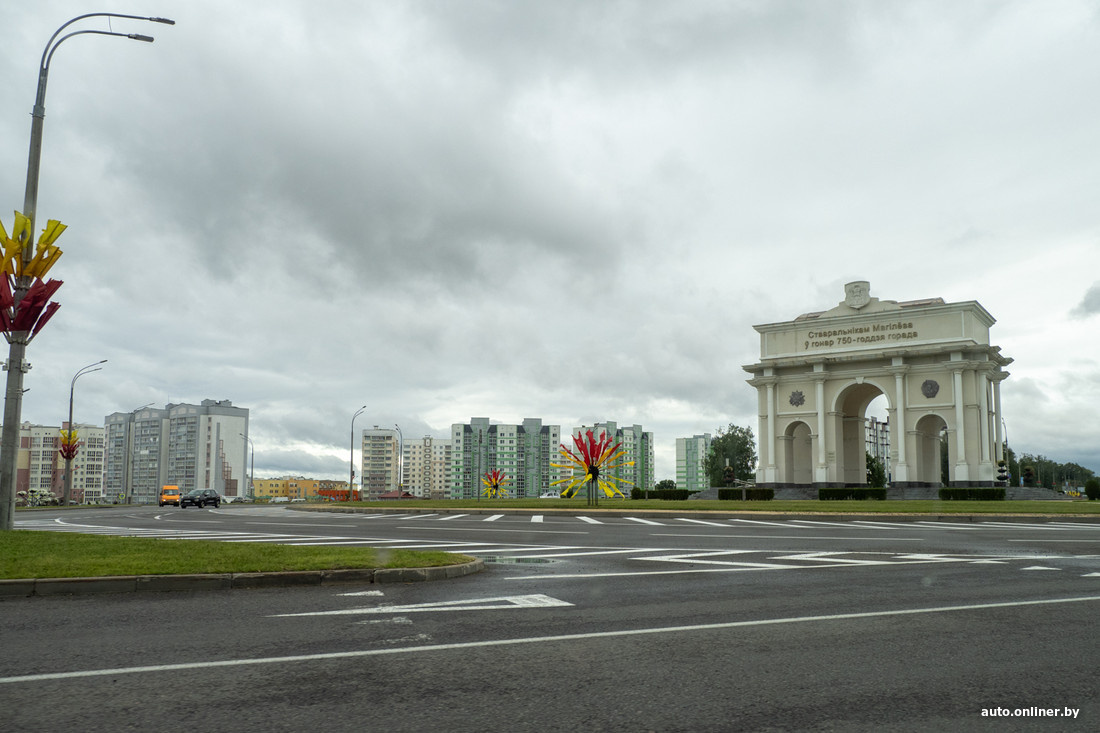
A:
(962, 468)
(899, 432)
(821, 468)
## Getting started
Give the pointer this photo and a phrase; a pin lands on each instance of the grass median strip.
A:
(29, 554)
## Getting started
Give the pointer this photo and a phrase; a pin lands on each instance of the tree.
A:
(876, 472)
(737, 445)
(665, 484)
(1092, 489)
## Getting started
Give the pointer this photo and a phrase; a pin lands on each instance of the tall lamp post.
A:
(18, 339)
(69, 446)
(252, 470)
(400, 460)
(351, 461)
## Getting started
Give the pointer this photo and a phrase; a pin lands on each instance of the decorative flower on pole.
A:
(494, 481)
(31, 312)
(596, 458)
(69, 444)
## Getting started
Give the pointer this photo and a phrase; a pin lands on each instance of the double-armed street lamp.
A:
(24, 316)
(68, 442)
(351, 461)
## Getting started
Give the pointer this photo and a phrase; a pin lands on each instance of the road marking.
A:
(452, 516)
(702, 521)
(794, 537)
(486, 529)
(643, 521)
(363, 593)
(422, 516)
(785, 525)
(1039, 567)
(590, 520)
(493, 518)
(536, 518)
(360, 653)
(537, 600)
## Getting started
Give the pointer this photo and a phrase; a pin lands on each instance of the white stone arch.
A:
(818, 373)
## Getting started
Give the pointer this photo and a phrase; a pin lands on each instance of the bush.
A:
(1092, 489)
(853, 492)
(667, 494)
(984, 493)
(750, 494)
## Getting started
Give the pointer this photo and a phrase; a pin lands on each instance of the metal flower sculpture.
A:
(597, 459)
(69, 444)
(21, 319)
(494, 484)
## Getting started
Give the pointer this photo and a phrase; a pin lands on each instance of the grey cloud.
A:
(1090, 304)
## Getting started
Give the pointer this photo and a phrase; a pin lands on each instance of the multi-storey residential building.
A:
(40, 466)
(425, 467)
(877, 435)
(200, 446)
(690, 456)
(378, 470)
(524, 452)
(637, 463)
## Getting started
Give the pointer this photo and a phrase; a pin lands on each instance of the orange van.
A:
(170, 495)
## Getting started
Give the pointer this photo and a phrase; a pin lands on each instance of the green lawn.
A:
(802, 507)
(29, 554)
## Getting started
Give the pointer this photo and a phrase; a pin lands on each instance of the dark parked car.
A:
(200, 498)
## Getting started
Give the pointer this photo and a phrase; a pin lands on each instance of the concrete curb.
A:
(710, 514)
(229, 581)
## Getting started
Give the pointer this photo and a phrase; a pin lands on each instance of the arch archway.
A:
(929, 457)
(797, 447)
(851, 426)
(930, 359)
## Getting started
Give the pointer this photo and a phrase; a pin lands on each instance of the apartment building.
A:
(525, 453)
(200, 446)
(39, 465)
(691, 453)
(425, 467)
(379, 463)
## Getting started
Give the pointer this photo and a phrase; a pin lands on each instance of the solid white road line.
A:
(358, 654)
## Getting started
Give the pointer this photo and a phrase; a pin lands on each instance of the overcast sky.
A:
(567, 210)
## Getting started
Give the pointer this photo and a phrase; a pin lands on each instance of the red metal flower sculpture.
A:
(597, 459)
(494, 484)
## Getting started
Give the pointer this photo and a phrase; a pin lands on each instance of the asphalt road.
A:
(583, 624)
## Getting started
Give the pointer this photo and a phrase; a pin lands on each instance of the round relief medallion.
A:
(797, 398)
(930, 388)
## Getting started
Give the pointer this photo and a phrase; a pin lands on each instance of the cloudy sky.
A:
(566, 210)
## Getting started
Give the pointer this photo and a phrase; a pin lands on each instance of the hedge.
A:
(667, 494)
(983, 493)
(750, 494)
(853, 492)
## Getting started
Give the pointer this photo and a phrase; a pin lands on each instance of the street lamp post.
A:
(71, 452)
(18, 340)
(351, 460)
(252, 470)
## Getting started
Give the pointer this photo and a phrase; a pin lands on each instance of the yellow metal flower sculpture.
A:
(494, 484)
(597, 459)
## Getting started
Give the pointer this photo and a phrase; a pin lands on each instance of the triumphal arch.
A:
(932, 360)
